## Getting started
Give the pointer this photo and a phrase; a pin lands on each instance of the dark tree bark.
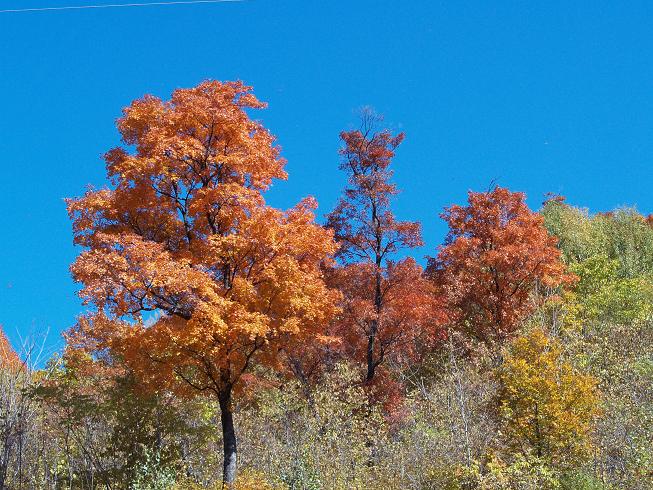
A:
(373, 362)
(228, 437)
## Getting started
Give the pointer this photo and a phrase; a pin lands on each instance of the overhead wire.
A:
(114, 5)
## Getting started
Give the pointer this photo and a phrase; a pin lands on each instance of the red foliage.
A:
(496, 252)
(388, 308)
(409, 319)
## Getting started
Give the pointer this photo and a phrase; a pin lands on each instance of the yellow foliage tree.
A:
(547, 407)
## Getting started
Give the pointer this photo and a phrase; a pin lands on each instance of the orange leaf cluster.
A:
(192, 274)
(8, 356)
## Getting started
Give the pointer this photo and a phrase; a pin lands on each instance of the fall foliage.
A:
(518, 360)
(547, 408)
(184, 234)
(496, 253)
(8, 356)
(388, 307)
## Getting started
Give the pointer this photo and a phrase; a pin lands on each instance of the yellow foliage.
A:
(496, 474)
(547, 407)
(255, 480)
(248, 479)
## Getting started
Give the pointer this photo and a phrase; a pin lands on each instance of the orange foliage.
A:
(495, 254)
(194, 278)
(8, 356)
(185, 237)
(649, 220)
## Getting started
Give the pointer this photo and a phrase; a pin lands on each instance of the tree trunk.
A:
(228, 437)
(372, 363)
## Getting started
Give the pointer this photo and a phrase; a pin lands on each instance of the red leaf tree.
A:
(496, 252)
(387, 305)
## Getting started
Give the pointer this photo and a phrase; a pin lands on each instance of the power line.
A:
(115, 5)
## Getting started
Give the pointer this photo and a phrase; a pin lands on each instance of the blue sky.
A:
(538, 96)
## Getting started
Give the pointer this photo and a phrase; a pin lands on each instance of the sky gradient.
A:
(546, 97)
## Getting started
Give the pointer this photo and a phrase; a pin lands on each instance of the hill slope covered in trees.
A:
(228, 342)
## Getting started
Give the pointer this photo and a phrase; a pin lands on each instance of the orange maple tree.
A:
(387, 305)
(496, 252)
(194, 278)
(8, 356)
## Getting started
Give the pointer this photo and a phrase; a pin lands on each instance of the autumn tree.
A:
(8, 356)
(496, 252)
(607, 320)
(546, 405)
(193, 277)
(387, 305)
(13, 409)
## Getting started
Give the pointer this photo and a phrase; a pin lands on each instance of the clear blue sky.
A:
(540, 96)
